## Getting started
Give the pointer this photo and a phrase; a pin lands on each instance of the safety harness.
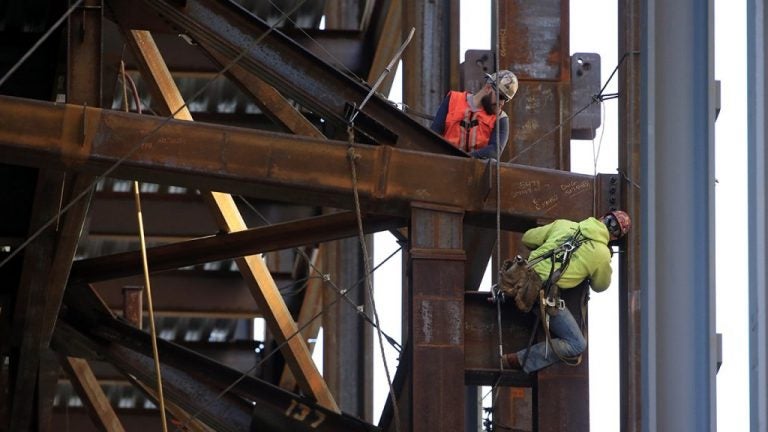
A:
(550, 302)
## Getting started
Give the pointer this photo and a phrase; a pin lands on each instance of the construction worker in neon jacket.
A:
(469, 121)
(591, 261)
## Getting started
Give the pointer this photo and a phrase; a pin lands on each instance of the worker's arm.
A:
(489, 151)
(536, 237)
(600, 278)
(438, 124)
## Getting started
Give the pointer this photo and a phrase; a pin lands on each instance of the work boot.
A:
(512, 361)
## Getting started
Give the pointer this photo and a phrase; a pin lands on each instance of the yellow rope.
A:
(145, 266)
(153, 331)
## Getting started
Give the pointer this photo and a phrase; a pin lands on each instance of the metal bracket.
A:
(585, 84)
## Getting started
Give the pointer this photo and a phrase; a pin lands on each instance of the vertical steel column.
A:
(347, 339)
(437, 318)
(534, 43)
(757, 43)
(678, 306)
(431, 61)
(630, 329)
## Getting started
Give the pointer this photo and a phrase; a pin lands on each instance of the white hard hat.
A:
(507, 83)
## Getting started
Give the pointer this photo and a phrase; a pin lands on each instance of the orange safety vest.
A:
(466, 129)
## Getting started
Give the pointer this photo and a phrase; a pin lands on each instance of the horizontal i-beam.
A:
(283, 167)
(236, 244)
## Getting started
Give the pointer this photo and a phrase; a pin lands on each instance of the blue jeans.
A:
(566, 338)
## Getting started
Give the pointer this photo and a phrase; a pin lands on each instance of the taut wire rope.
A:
(298, 331)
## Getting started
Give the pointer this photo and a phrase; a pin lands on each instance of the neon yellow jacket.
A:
(592, 260)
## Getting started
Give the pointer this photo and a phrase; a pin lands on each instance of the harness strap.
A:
(549, 294)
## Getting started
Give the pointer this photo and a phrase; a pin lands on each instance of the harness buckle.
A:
(558, 303)
(568, 246)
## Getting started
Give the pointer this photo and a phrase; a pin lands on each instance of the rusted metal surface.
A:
(191, 293)
(91, 394)
(311, 307)
(386, 30)
(630, 288)
(348, 346)
(437, 318)
(295, 72)
(66, 247)
(561, 392)
(283, 167)
(188, 373)
(481, 339)
(534, 43)
(84, 51)
(272, 103)
(585, 84)
(132, 304)
(24, 357)
(430, 63)
(253, 268)
(236, 244)
(106, 219)
(225, 413)
(534, 38)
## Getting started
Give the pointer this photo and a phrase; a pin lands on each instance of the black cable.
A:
(279, 346)
(595, 99)
(360, 312)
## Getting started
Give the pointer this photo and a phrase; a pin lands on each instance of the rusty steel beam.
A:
(343, 48)
(311, 307)
(283, 167)
(481, 340)
(230, 30)
(88, 388)
(240, 355)
(27, 330)
(225, 413)
(534, 43)
(348, 340)
(386, 30)
(630, 288)
(188, 374)
(106, 221)
(232, 245)
(191, 293)
(253, 268)
(431, 62)
(436, 314)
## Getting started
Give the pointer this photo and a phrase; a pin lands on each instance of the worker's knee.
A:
(578, 345)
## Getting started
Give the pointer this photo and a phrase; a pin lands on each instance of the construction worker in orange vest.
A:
(469, 121)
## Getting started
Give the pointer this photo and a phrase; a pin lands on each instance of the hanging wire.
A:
(320, 45)
(40, 41)
(596, 152)
(595, 99)
(256, 365)
(342, 293)
(150, 134)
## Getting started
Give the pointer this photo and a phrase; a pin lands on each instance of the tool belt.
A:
(520, 283)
